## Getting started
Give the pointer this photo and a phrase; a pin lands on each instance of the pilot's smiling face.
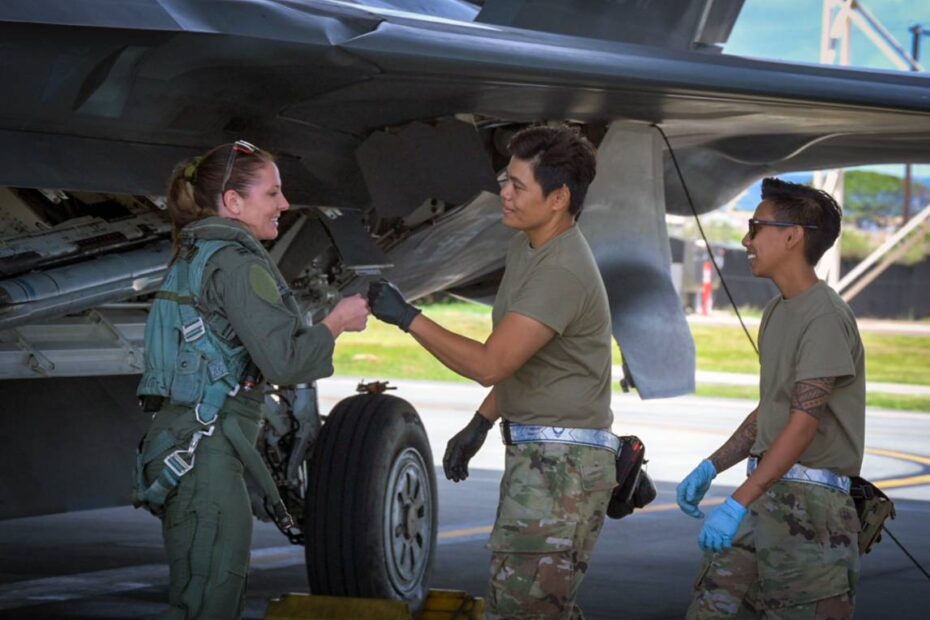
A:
(263, 205)
(525, 207)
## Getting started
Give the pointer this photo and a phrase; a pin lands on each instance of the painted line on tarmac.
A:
(467, 532)
(897, 483)
(895, 454)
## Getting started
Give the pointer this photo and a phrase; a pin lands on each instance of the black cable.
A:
(912, 558)
(710, 253)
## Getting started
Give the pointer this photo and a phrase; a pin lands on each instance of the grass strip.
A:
(385, 351)
(873, 400)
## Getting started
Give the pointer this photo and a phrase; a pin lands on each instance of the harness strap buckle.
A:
(176, 462)
(194, 330)
(177, 465)
(205, 413)
(195, 441)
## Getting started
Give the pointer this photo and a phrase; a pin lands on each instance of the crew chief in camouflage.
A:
(231, 194)
(784, 545)
(548, 363)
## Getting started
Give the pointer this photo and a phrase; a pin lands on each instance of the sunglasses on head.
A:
(239, 146)
(754, 225)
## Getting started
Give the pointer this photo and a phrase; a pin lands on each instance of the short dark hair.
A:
(805, 205)
(559, 156)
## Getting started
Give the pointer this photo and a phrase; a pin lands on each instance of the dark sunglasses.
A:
(754, 225)
(239, 146)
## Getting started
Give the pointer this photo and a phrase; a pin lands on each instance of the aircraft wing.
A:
(394, 112)
(107, 97)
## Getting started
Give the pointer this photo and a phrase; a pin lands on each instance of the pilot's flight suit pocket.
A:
(190, 542)
(189, 378)
(232, 575)
(178, 539)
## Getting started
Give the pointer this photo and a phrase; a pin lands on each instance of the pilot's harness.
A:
(204, 389)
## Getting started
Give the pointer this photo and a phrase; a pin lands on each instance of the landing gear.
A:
(371, 508)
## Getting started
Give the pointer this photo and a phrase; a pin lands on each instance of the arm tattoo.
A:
(811, 396)
(738, 445)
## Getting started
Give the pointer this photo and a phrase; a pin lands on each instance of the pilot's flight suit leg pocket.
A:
(189, 542)
(229, 576)
(178, 538)
(227, 597)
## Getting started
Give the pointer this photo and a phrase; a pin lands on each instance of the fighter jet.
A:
(389, 118)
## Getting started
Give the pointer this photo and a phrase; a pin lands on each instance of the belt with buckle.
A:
(152, 403)
(807, 475)
(514, 434)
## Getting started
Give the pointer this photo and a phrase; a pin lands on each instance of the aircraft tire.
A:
(371, 508)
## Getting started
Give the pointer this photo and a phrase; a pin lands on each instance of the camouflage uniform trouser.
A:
(207, 523)
(552, 506)
(795, 556)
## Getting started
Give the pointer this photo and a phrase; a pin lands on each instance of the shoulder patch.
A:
(263, 284)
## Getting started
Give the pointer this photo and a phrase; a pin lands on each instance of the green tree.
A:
(874, 197)
(855, 244)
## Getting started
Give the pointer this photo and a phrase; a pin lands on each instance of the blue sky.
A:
(789, 30)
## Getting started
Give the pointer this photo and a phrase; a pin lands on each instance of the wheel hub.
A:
(408, 520)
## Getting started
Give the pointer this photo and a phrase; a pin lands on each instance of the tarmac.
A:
(109, 563)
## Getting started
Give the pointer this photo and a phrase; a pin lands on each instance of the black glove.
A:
(463, 446)
(387, 303)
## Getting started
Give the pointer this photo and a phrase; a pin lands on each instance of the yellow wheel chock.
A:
(439, 605)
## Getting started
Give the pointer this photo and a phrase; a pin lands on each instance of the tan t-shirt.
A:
(806, 337)
(567, 382)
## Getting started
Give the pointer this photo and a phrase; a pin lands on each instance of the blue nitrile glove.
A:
(692, 489)
(387, 303)
(721, 526)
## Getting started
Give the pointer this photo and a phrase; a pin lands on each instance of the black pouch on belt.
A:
(635, 488)
(151, 403)
(873, 508)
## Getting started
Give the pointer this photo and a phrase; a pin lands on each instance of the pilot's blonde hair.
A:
(194, 191)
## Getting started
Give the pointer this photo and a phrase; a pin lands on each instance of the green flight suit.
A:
(207, 519)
